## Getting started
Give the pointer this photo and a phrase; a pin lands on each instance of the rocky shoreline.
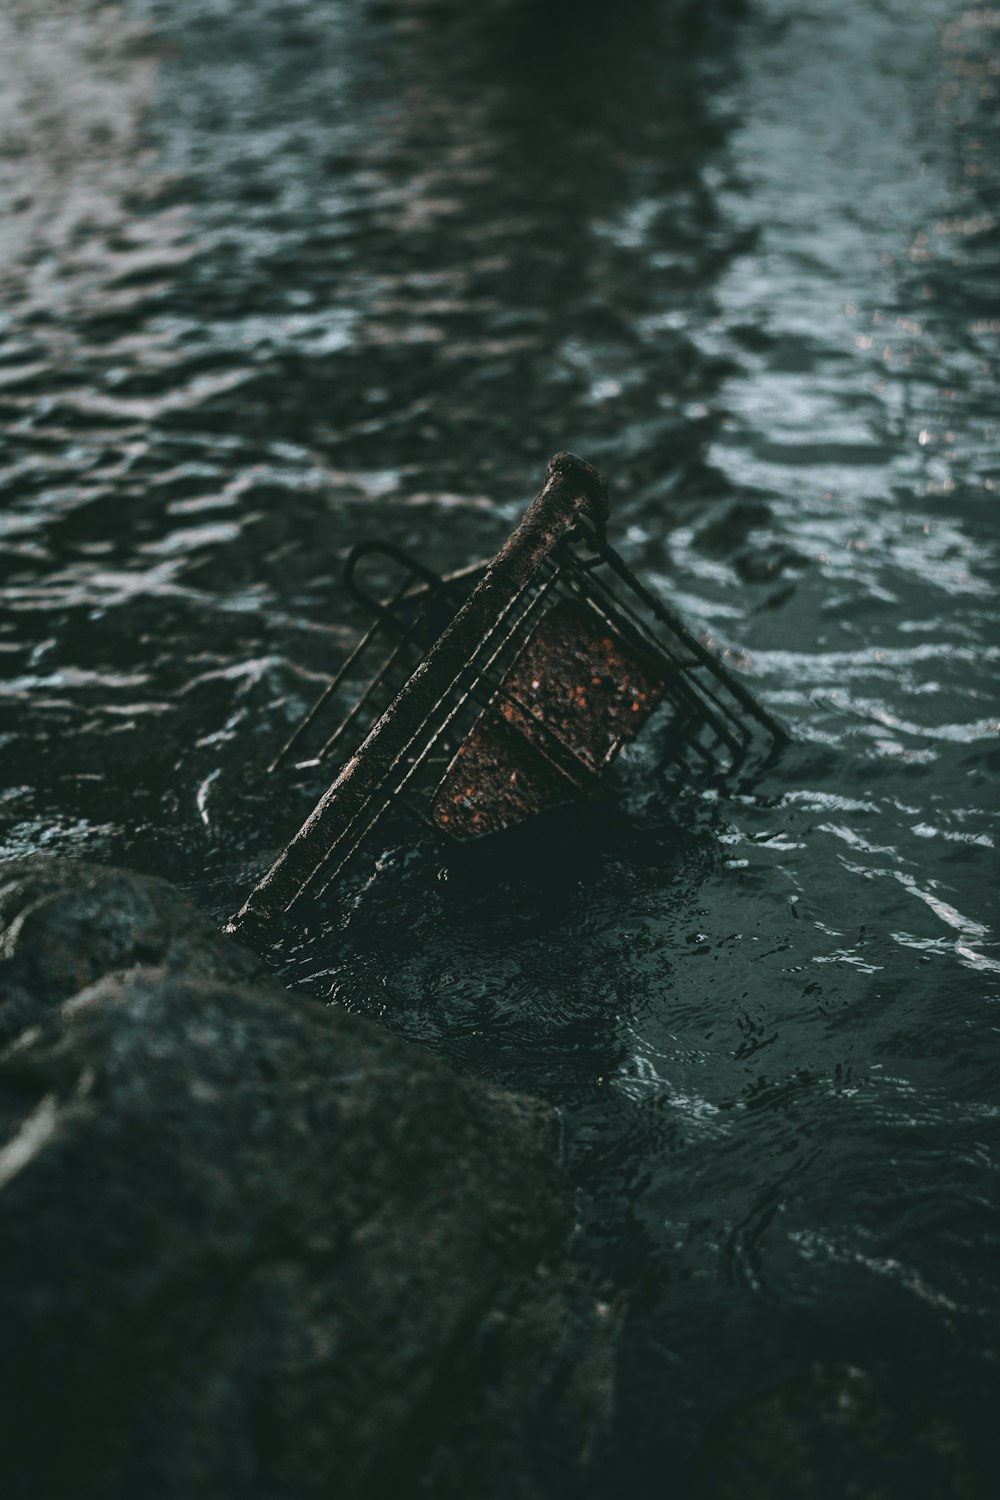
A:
(251, 1246)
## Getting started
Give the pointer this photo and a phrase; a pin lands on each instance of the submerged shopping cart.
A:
(501, 692)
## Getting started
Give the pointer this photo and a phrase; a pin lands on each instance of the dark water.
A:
(278, 276)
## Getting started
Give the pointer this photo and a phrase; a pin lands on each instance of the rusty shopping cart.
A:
(501, 692)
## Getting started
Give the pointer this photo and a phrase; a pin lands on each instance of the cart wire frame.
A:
(502, 691)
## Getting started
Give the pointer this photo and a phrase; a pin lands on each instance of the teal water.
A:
(277, 277)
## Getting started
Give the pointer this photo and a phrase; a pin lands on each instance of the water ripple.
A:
(278, 278)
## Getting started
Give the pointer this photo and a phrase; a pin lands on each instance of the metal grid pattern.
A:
(478, 700)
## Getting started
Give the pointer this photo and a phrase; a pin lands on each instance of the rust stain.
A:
(572, 680)
(589, 688)
(496, 779)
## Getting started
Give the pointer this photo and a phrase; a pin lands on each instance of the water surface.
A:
(281, 276)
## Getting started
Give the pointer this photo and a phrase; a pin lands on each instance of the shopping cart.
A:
(502, 692)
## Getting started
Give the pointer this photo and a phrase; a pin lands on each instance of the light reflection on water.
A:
(379, 265)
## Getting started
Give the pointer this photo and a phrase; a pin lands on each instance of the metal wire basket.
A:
(502, 691)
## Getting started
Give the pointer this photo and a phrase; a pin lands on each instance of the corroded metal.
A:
(573, 682)
(504, 691)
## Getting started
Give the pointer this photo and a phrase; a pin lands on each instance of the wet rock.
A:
(251, 1247)
(66, 923)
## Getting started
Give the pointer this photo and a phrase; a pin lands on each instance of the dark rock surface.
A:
(65, 923)
(251, 1247)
